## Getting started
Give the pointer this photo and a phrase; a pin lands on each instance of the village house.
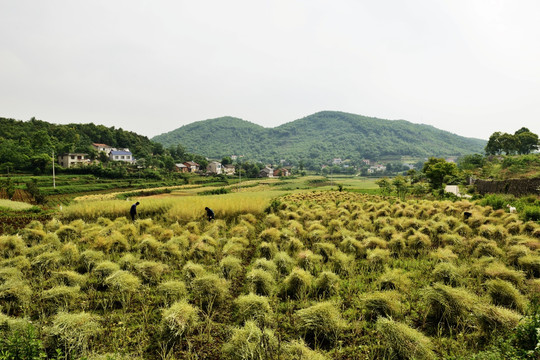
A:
(336, 161)
(68, 160)
(192, 166)
(121, 155)
(103, 148)
(214, 167)
(229, 169)
(376, 168)
(366, 161)
(181, 168)
(266, 172)
(282, 172)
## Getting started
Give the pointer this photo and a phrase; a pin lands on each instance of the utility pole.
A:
(53, 178)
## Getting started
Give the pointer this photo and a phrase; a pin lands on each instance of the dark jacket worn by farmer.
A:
(133, 210)
(209, 213)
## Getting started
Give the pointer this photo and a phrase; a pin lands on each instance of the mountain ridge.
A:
(319, 137)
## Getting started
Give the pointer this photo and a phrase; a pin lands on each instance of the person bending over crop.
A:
(133, 211)
(209, 213)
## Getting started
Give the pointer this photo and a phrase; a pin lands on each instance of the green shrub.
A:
(19, 340)
(531, 213)
(180, 319)
(251, 343)
(403, 341)
(253, 307)
(321, 323)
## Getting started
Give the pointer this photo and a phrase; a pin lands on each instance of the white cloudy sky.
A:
(471, 67)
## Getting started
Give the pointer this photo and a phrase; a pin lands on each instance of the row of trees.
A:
(521, 142)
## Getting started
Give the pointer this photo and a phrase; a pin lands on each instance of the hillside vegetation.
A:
(29, 144)
(318, 138)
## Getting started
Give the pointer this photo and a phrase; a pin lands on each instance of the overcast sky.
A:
(471, 67)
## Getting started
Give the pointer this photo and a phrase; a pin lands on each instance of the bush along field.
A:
(318, 275)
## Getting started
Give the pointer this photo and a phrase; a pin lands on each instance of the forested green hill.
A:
(25, 144)
(318, 138)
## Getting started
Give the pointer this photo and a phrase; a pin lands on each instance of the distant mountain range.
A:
(318, 138)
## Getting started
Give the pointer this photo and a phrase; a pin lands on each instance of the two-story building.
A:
(214, 167)
(68, 160)
(267, 172)
(103, 148)
(229, 169)
(121, 155)
(192, 166)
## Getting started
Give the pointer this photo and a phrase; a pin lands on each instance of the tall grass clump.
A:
(503, 293)
(309, 261)
(404, 342)
(447, 274)
(497, 270)
(354, 247)
(261, 282)
(267, 250)
(394, 279)
(253, 307)
(284, 263)
(62, 295)
(179, 319)
(11, 246)
(15, 295)
(530, 264)
(376, 258)
(326, 284)
(298, 350)
(151, 271)
(448, 306)
(251, 343)
(320, 324)
(209, 291)
(494, 319)
(75, 331)
(172, 290)
(89, 259)
(381, 303)
(231, 267)
(298, 284)
(123, 282)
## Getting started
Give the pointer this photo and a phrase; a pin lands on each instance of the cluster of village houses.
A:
(124, 155)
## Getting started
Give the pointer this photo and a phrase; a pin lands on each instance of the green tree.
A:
(385, 186)
(437, 170)
(508, 143)
(494, 147)
(401, 186)
(526, 141)
(226, 160)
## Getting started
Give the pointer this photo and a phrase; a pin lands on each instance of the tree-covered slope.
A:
(22, 141)
(318, 138)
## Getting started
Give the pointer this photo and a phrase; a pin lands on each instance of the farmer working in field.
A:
(209, 213)
(133, 211)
